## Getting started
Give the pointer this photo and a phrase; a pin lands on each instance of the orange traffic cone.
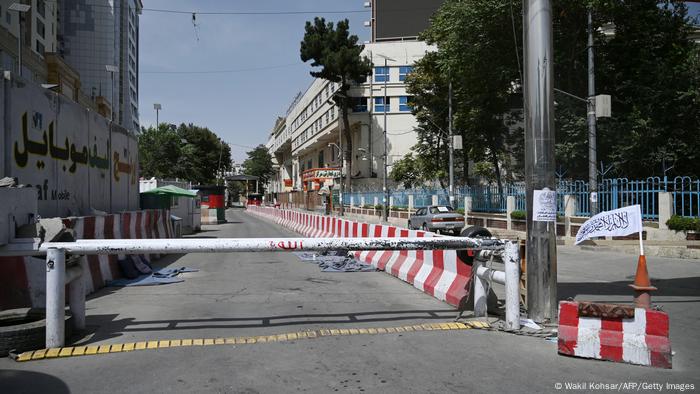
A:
(642, 285)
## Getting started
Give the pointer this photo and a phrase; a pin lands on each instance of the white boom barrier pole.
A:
(179, 245)
(56, 277)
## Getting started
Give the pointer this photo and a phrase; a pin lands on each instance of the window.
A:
(404, 71)
(405, 103)
(321, 160)
(381, 74)
(41, 8)
(310, 164)
(332, 112)
(8, 17)
(359, 104)
(379, 104)
(327, 116)
(39, 48)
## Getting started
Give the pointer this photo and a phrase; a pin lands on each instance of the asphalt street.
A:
(241, 294)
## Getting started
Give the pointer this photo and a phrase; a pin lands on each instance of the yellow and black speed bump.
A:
(74, 351)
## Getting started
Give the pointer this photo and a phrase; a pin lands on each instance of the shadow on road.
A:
(102, 327)
(676, 287)
(14, 381)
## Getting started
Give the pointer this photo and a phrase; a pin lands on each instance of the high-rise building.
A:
(99, 39)
(398, 20)
(38, 28)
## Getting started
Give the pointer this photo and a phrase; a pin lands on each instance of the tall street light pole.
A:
(111, 70)
(541, 249)
(592, 152)
(157, 107)
(452, 147)
(385, 189)
(20, 8)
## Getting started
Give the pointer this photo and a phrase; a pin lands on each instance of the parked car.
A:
(437, 218)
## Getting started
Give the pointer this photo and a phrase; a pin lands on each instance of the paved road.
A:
(241, 294)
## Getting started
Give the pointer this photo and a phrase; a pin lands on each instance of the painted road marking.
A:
(71, 351)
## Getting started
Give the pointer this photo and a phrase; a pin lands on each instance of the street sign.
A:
(457, 142)
(602, 106)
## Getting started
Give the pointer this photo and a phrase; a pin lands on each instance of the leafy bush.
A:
(460, 211)
(680, 223)
(379, 206)
(517, 215)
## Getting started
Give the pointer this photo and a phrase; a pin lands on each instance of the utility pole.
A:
(385, 188)
(452, 147)
(541, 249)
(342, 164)
(111, 69)
(592, 152)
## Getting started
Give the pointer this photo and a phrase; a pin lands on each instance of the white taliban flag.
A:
(618, 222)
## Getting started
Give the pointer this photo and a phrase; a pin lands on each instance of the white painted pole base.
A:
(511, 259)
(55, 297)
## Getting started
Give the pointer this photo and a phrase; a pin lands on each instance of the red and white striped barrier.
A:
(439, 273)
(23, 279)
(642, 340)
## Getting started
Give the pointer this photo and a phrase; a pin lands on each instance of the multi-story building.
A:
(306, 142)
(38, 28)
(100, 40)
(88, 49)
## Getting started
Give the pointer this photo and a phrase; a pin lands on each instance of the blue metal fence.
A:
(612, 194)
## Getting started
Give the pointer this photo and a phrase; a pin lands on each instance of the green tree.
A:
(649, 66)
(204, 155)
(338, 53)
(407, 172)
(259, 163)
(159, 151)
(187, 152)
(477, 55)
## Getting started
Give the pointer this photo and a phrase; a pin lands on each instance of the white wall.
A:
(63, 151)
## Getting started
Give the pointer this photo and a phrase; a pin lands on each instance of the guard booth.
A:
(213, 203)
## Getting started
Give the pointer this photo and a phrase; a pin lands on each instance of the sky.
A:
(242, 106)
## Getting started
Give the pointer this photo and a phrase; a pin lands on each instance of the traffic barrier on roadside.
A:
(641, 339)
(439, 273)
(23, 281)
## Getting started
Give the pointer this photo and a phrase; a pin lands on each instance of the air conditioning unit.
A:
(368, 4)
(368, 23)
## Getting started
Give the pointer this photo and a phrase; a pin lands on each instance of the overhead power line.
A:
(254, 12)
(238, 70)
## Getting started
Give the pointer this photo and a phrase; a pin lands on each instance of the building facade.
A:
(69, 44)
(96, 35)
(306, 142)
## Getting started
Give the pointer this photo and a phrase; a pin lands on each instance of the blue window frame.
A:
(404, 104)
(381, 74)
(404, 71)
(379, 104)
(359, 104)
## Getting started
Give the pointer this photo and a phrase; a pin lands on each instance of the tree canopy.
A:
(188, 152)
(259, 163)
(337, 52)
(649, 66)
